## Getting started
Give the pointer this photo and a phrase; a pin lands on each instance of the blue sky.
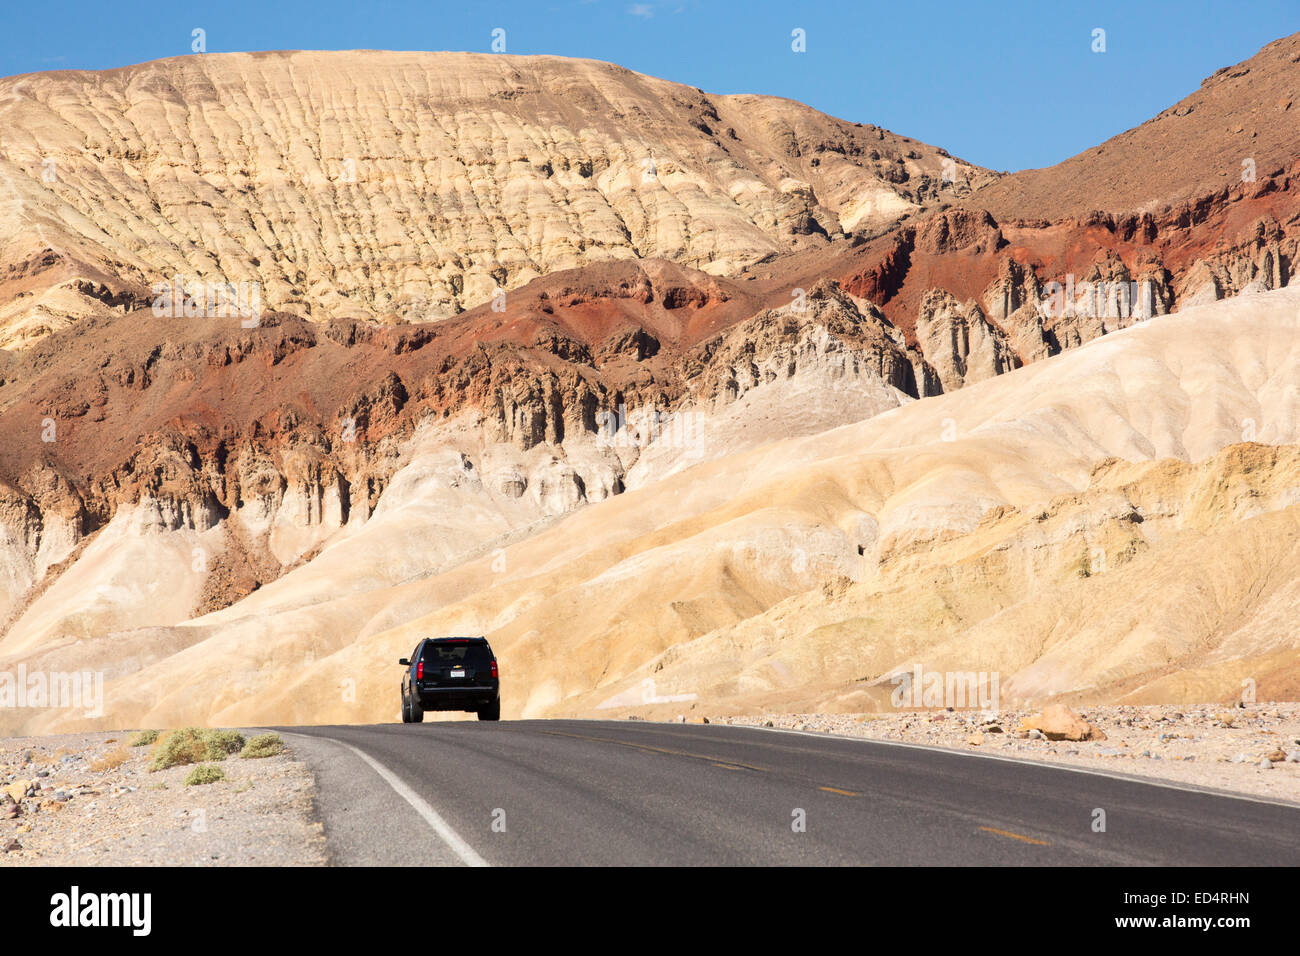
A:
(1009, 85)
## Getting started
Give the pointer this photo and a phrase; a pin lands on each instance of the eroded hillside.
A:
(682, 387)
(410, 186)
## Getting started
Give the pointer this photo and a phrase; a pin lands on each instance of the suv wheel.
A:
(417, 712)
(491, 712)
(406, 710)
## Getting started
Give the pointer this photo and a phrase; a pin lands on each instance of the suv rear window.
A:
(457, 652)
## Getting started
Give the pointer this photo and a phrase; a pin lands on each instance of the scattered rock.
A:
(17, 790)
(1058, 722)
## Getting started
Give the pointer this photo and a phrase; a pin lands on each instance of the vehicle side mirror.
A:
(404, 662)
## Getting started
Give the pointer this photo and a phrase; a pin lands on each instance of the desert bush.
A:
(263, 745)
(179, 747)
(223, 743)
(111, 760)
(143, 738)
(204, 773)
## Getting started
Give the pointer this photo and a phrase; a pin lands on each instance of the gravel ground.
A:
(1255, 750)
(86, 808)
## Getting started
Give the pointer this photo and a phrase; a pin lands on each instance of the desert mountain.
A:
(762, 384)
(1242, 118)
(410, 186)
(1197, 204)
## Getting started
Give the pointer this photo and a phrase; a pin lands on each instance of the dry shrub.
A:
(111, 760)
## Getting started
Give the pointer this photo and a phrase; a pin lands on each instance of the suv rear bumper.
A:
(457, 698)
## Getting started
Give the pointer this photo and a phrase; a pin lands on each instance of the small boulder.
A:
(18, 789)
(1058, 722)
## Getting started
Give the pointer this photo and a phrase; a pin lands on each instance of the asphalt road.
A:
(568, 792)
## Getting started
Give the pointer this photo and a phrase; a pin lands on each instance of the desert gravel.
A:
(79, 810)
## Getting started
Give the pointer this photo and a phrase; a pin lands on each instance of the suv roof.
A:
(438, 640)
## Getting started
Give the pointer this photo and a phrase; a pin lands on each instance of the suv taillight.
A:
(419, 671)
(494, 668)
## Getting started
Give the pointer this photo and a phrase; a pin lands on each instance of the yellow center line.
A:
(1015, 836)
(647, 748)
(847, 793)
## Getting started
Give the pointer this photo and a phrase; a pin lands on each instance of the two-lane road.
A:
(550, 792)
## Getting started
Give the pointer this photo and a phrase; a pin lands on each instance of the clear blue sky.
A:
(1008, 85)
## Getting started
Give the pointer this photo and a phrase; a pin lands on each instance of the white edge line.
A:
(1022, 761)
(1029, 761)
(431, 816)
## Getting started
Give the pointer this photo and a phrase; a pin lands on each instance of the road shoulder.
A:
(91, 799)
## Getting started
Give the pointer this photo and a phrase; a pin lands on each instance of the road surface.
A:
(570, 792)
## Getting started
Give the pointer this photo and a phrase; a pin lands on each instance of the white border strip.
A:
(463, 850)
(1030, 761)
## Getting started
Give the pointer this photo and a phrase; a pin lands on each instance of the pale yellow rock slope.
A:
(1120, 522)
(409, 186)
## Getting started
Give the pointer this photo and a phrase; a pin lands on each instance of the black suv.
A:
(451, 673)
